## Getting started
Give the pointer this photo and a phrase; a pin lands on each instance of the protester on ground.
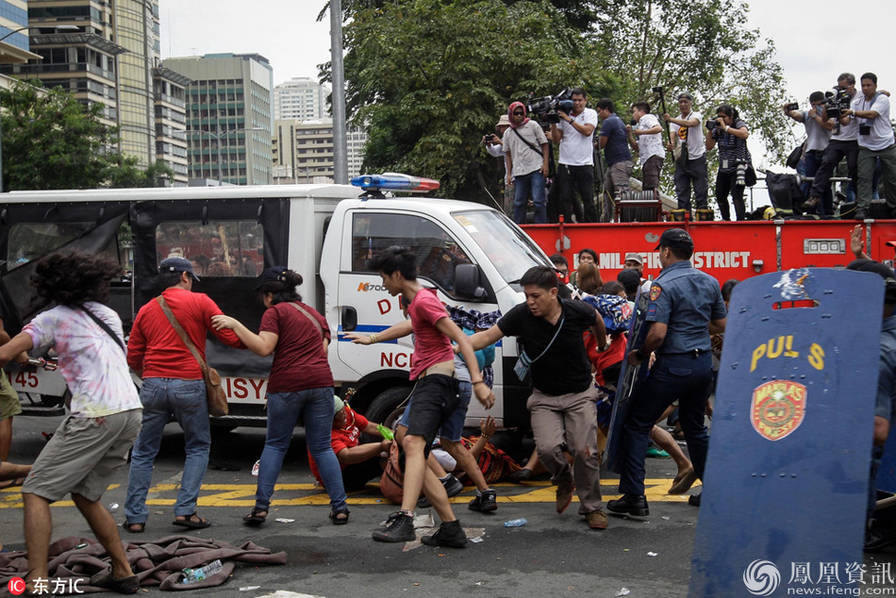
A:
(689, 150)
(735, 169)
(526, 163)
(104, 413)
(685, 306)
(561, 406)
(646, 138)
(818, 136)
(575, 134)
(300, 387)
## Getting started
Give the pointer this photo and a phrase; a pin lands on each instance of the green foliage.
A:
(429, 77)
(52, 141)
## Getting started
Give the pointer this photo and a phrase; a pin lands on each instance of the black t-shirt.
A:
(565, 367)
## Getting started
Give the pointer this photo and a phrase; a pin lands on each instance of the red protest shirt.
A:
(300, 362)
(600, 361)
(348, 436)
(430, 345)
(155, 348)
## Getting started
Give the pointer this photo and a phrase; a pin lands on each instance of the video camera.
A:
(545, 109)
(836, 102)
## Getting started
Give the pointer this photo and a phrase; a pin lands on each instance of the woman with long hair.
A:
(300, 386)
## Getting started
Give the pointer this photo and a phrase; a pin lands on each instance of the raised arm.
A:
(262, 343)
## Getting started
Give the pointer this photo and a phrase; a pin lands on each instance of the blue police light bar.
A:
(394, 182)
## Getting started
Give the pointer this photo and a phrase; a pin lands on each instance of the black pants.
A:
(690, 173)
(579, 179)
(833, 153)
(726, 185)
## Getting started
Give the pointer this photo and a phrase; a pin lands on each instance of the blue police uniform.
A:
(686, 300)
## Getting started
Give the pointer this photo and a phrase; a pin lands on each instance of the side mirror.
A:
(468, 281)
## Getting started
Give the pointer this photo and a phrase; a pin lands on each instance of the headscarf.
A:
(510, 110)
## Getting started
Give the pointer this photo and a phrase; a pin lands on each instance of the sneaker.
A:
(656, 453)
(399, 528)
(564, 495)
(485, 502)
(629, 504)
(596, 519)
(453, 487)
(450, 534)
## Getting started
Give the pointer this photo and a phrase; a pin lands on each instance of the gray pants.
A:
(569, 422)
(866, 177)
(690, 173)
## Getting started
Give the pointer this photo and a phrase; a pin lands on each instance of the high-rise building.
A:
(301, 98)
(103, 53)
(228, 116)
(171, 122)
(13, 32)
(356, 139)
(303, 151)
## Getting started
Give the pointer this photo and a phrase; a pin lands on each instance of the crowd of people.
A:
(855, 127)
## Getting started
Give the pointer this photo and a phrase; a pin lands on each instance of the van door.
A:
(438, 253)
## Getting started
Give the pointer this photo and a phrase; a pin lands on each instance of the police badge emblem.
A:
(655, 291)
(778, 408)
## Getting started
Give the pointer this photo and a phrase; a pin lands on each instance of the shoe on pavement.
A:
(683, 482)
(485, 502)
(564, 494)
(399, 528)
(694, 500)
(656, 453)
(596, 519)
(450, 534)
(629, 504)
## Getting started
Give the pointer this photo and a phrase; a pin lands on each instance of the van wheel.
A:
(386, 408)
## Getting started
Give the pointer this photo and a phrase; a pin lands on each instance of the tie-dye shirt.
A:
(91, 362)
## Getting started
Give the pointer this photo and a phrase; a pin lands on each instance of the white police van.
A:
(473, 255)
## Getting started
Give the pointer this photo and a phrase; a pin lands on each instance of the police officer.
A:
(685, 306)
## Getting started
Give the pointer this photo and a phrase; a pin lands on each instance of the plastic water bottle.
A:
(515, 522)
(197, 575)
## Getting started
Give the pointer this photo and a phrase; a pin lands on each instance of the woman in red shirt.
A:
(300, 386)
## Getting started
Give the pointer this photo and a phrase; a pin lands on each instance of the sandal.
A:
(192, 521)
(255, 518)
(339, 516)
(136, 527)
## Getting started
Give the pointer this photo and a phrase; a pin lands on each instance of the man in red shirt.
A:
(359, 462)
(172, 385)
(435, 395)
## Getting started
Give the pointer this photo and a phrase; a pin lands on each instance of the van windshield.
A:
(509, 249)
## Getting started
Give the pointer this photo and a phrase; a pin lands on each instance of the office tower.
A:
(301, 98)
(171, 122)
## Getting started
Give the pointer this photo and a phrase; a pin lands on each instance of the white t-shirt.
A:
(525, 159)
(692, 135)
(849, 131)
(91, 362)
(881, 136)
(817, 137)
(577, 149)
(649, 145)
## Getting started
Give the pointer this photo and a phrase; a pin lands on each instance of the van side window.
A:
(437, 252)
(29, 241)
(219, 248)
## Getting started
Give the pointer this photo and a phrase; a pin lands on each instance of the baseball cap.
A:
(504, 121)
(271, 274)
(338, 404)
(635, 257)
(685, 95)
(676, 237)
(177, 264)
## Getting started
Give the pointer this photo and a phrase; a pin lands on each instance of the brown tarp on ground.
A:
(157, 563)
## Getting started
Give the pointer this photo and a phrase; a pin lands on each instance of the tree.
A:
(52, 141)
(429, 77)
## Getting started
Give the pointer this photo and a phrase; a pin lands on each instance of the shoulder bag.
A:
(214, 391)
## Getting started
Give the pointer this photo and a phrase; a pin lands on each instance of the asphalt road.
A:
(552, 555)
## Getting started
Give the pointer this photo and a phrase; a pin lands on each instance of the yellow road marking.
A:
(307, 494)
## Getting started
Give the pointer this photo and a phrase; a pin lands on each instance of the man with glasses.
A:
(526, 161)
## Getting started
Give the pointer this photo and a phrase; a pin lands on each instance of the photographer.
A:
(842, 145)
(614, 141)
(730, 133)
(872, 111)
(690, 157)
(526, 161)
(645, 137)
(818, 135)
(574, 134)
(495, 148)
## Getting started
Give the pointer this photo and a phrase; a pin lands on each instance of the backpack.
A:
(615, 310)
(392, 480)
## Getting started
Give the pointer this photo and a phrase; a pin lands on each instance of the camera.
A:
(545, 109)
(836, 102)
(792, 107)
(490, 137)
(711, 125)
(633, 122)
(864, 129)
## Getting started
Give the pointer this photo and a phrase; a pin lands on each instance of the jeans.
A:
(534, 182)
(690, 173)
(833, 153)
(687, 378)
(572, 179)
(163, 398)
(808, 166)
(315, 407)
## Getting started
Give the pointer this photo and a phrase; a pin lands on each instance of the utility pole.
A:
(340, 146)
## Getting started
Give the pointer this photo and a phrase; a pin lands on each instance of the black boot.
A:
(450, 534)
(629, 504)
